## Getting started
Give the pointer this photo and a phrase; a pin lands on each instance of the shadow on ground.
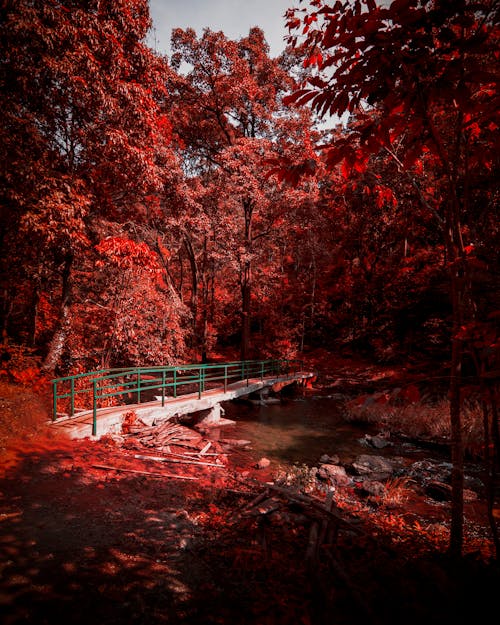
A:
(82, 544)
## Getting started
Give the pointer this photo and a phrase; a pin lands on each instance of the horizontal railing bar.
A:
(137, 380)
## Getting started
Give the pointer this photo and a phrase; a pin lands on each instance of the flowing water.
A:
(293, 431)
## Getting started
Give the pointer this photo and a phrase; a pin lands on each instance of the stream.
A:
(300, 431)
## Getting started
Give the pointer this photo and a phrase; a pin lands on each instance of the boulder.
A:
(374, 466)
(372, 488)
(326, 459)
(334, 473)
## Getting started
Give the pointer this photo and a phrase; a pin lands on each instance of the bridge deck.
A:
(110, 419)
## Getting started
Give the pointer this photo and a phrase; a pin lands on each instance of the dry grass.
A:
(422, 419)
(396, 492)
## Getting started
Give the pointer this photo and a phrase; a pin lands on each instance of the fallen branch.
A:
(196, 453)
(179, 461)
(149, 473)
(260, 497)
(205, 449)
(317, 506)
(188, 454)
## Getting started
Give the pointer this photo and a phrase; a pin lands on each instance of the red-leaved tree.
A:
(83, 141)
(421, 79)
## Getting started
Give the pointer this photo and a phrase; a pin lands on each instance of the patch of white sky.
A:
(233, 17)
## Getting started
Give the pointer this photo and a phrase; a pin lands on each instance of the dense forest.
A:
(165, 210)
(199, 187)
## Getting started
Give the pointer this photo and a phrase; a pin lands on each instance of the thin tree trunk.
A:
(35, 305)
(457, 452)
(59, 338)
(246, 283)
(455, 261)
(194, 280)
(246, 292)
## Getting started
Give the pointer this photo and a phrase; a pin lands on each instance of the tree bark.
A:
(246, 292)
(457, 280)
(246, 283)
(59, 338)
(194, 279)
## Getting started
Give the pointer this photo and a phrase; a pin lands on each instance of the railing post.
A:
(72, 399)
(225, 378)
(138, 386)
(163, 387)
(94, 407)
(261, 370)
(175, 382)
(199, 383)
(54, 400)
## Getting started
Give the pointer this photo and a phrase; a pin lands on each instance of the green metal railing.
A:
(94, 388)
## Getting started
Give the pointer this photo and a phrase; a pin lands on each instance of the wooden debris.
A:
(235, 442)
(197, 453)
(178, 460)
(163, 435)
(149, 473)
(205, 449)
(256, 501)
(318, 507)
(327, 521)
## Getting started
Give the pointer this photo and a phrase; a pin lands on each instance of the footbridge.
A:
(95, 403)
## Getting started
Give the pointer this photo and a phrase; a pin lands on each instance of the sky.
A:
(233, 17)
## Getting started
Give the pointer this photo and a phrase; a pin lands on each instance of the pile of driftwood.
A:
(172, 442)
(163, 435)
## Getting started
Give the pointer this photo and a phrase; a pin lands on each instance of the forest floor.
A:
(90, 532)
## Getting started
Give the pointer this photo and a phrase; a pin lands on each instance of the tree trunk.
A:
(194, 280)
(457, 450)
(246, 283)
(246, 291)
(36, 302)
(458, 287)
(58, 341)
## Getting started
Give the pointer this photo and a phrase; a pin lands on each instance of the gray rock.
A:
(377, 442)
(373, 488)
(373, 465)
(326, 459)
(334, 473)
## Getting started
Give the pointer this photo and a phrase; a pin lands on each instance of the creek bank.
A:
(376, 476)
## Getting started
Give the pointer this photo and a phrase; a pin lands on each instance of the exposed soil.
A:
(81, 543)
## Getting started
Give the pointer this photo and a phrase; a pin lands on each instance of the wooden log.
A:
(197, 453)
